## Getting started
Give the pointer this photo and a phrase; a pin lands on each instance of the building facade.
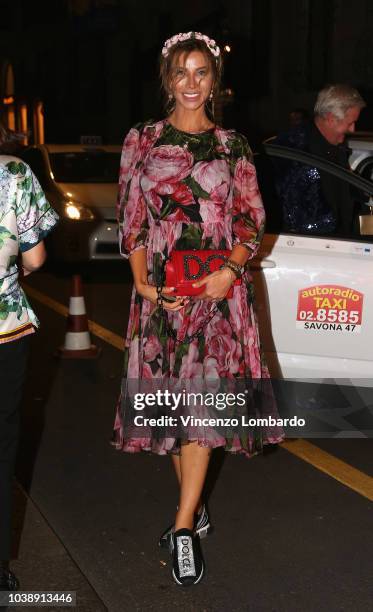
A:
(89, 67)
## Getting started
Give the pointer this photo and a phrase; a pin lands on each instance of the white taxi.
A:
(315, 294)
(81, 183)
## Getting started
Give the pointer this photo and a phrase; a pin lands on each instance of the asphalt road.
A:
(287, 537)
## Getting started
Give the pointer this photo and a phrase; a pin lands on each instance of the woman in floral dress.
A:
(186, 183)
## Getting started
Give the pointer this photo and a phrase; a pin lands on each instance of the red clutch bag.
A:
(184, 268)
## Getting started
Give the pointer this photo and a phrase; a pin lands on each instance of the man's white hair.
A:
(337, 99)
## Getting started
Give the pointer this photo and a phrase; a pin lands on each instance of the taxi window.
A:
(85, 167)
(268, 166)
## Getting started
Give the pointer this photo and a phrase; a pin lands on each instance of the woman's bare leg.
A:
(193, 463)
(177, 468)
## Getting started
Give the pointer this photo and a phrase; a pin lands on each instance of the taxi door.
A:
(314, 294)
(314, 302)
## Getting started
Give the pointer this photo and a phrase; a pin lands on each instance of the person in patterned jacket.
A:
(25, 219)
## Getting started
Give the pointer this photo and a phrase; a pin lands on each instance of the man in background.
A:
(313, 201)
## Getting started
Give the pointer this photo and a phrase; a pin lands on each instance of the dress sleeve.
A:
(131, 206)
(247, 210)
(35, 217)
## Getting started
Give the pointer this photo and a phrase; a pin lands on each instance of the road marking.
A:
(96, 329)
(336, 468)
(320, 459)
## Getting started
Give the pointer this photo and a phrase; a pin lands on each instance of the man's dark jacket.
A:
(313, 201)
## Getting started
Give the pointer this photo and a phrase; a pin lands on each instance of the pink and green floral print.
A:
(190, 191)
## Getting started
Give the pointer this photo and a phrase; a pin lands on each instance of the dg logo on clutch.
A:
(190, 261)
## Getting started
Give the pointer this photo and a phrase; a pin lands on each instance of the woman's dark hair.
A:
(186, 47)
(10, 141)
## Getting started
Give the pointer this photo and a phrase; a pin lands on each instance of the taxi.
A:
(314, 293)
(81, 183)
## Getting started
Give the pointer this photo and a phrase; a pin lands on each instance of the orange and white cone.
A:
(77, 340)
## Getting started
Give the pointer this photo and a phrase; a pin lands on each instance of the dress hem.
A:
(172, 446)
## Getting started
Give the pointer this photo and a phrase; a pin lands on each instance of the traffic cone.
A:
(77, 340)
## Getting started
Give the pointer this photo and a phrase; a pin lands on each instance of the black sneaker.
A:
(202, 528)
(8, 581)
(187, 563)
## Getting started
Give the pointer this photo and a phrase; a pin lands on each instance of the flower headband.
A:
(174, 40)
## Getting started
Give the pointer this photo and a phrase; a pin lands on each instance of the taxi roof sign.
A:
(91, 140)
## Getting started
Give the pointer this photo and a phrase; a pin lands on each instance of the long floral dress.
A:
(190, 191)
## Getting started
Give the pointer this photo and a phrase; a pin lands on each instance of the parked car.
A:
(81, 184)
(315, 293)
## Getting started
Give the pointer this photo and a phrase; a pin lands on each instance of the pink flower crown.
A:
(177, 38)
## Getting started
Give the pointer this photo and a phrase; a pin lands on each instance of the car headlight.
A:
(78, 212)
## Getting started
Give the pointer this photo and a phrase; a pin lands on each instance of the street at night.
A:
(286, 536)
(186, 298)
